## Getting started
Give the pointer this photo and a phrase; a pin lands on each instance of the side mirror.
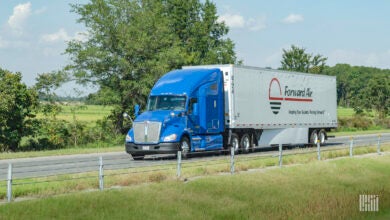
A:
(195, 109)
(136, 110)
(125, 115)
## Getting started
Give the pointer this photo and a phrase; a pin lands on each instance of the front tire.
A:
(185, 147)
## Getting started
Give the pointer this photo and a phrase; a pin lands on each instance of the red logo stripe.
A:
(298, 100)
(275, 98)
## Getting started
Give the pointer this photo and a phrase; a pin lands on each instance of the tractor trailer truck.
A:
(213, 107)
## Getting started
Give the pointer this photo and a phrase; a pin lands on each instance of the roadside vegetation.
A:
(60, 184)
(169, 34)
(317, 191)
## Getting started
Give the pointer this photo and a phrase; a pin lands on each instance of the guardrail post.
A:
(351, 147)
(280, 155)
(318, 150)
(101, 174)
(379, 145)
(232, 160)
(178, 164)
(9, 183)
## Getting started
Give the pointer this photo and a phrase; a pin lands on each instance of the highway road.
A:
(54, 165)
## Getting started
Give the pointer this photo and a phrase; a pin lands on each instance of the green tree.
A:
(17, 103)
(296, 59)
(362, 87)
(199, 33)
(376, 94)
(132, 43)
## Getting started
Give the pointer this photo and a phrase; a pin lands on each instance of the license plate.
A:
(145, 147)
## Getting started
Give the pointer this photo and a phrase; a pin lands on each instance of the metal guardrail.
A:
(25, 175)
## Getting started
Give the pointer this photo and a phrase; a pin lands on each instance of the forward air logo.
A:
(277, 97)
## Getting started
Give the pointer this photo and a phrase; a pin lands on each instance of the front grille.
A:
(147, 132)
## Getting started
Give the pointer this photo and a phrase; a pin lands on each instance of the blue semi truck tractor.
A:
(208, 108)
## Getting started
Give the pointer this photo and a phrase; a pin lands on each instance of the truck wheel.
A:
(322, 136)
(138, 156)
(185, 147)
(235, 143)
(313, 137)
(245, 143)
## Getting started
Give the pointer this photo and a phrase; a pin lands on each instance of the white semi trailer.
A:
(279, 107)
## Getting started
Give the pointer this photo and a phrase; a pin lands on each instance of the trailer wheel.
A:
(185, 147)
(322, 136)
(313, 137)
(245, 143)
(235, 143)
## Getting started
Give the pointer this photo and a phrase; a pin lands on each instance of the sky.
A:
(33, 34)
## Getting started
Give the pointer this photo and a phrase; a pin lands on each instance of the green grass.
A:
(321, 190)
(345, 112)
(352, 133)
(84, 113)
(54, 185)
(59, 152)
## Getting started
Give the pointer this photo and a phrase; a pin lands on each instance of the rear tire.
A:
(235, 143)
(313, 137)
(245, 143)
(322, 136)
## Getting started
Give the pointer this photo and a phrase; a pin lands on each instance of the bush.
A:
(50, 134)
(355, 123)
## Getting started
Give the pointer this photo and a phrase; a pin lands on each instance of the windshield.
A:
(166, 102)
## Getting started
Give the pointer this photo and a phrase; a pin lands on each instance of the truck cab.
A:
(185, 112)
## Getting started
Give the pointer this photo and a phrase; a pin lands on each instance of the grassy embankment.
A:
(323, 190)
(54, 185)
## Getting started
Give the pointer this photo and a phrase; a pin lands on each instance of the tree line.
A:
(130, 45)
(358, 87)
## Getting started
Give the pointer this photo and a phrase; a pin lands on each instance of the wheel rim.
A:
(322, 137)
(184, 147)
(235, 144)
(245, 143)
(315, 138)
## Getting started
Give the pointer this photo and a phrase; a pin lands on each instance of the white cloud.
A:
(238, 21)
(360, 58)
(233, 21)
(257, 24)
(61, 36)
(293, 18)
(274, 59)
(20, 14)
(40, 11)
(3, 43)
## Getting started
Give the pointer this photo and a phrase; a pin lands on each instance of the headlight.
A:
(171, 137)
(128, 138)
